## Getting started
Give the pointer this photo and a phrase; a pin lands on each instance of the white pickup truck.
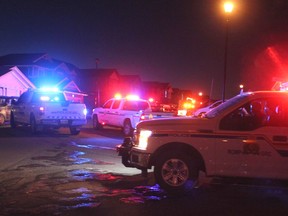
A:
(42, 109)
(246, 136)
(124, 113)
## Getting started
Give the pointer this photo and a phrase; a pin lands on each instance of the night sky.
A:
(175, 41)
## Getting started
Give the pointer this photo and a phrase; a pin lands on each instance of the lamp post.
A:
(228, 8)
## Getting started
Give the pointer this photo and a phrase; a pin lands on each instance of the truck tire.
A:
(95, 123)
(127, 128)
(74, 130)
(175, 172)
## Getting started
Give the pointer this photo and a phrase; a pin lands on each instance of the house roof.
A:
(130, 78)
(39, 59)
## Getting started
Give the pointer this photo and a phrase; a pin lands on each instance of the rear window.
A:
(48, 97)
(135, 105)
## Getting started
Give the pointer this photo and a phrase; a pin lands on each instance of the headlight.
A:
(143, 139)
(85, 111)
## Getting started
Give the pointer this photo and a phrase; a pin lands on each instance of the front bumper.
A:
(131, 157)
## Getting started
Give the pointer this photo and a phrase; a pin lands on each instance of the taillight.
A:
(41, 110)
(142, 117)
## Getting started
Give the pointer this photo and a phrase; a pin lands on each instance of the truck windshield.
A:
(222, 107)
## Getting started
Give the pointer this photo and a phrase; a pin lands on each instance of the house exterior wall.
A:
(14, 83)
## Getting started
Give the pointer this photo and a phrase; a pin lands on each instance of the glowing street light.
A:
(228, 8)
(241, 86)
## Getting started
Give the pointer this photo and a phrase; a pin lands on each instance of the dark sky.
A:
(175, 41)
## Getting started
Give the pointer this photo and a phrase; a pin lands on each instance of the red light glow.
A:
(274, 55)
(117, 96)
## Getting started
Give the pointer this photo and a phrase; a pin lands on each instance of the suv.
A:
(246, 136)
(124, 113)
(47, 108)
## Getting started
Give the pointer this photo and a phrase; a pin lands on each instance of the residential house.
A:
(131, 85)
(99, 84)
(161, 92)
(14, 83)
(42, 70)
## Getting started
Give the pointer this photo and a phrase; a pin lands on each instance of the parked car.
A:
(5, 108)
(203, 110)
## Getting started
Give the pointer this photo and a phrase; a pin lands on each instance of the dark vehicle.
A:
(5, 108)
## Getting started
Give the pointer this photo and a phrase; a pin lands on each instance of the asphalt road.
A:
(54, 173)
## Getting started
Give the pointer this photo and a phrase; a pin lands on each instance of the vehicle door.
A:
(104, 110)
(21, 109)
(115, 113)
(250, 144)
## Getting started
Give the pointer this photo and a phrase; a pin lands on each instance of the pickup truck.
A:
(42, 109)
(246, 137)
(124, 113)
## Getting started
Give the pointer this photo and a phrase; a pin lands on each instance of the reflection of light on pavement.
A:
(84, 196)
(77, 160)
(92, 146)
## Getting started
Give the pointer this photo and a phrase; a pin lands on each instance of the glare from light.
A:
(56, 98)
(143, 139)
(132, 97)
(118, 96)
(44, 98)
(228, 7)
(151, 100)
(49, 89)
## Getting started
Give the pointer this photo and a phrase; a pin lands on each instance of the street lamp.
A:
(228, 8)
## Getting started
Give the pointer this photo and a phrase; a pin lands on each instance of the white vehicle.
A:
(124, 113)
(247, 136)
(203, 110)
(42, 109)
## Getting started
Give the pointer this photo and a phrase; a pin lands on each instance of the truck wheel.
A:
(96, 125)
(2, 119)
(33, 125)
(175, 172)
(74, 130)
(127, 128)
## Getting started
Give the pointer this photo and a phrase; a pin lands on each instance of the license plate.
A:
(63, 121)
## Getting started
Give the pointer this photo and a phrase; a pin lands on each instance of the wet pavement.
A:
(83, 175)
(68, 176)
